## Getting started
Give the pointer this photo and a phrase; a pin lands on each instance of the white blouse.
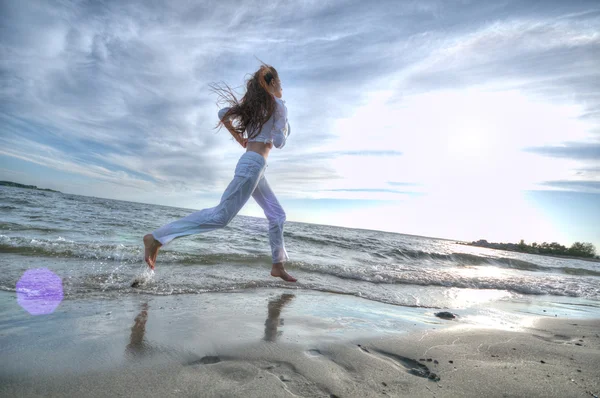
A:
(275, 130)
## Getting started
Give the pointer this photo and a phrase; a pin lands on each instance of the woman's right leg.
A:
(247, 174)
(264, 196)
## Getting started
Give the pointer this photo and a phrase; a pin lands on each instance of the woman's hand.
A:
(242, 141)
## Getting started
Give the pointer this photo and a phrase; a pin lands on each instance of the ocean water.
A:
(94, 245)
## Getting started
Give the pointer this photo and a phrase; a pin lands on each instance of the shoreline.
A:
(24, 186)
(285, 343)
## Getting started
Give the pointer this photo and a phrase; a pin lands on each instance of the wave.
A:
(343, 242)
(133, 253)
(529, 285)
(374, 247)
(108, 284)
(17, 202)
(408, 256)
(463, 259)
(579, 271)
(391, 289)
(117, 252)
(23, 227)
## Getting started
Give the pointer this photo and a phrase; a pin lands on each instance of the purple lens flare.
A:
(39, 291)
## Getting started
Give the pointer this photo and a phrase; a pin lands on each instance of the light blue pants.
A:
(248, 180)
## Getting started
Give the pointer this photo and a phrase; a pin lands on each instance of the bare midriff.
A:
(260, 148)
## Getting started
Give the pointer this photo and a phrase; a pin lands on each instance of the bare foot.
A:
(279, 272)
(151, 247)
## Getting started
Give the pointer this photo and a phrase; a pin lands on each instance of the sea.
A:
(94, 246)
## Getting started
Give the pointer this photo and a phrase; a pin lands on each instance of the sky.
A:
(456, 119)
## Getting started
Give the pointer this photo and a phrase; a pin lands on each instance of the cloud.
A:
(577, 186)
(370, 153)
(572, 150)
(550, 56)
(381, 193)
(402, 184)
(432, 94)
(589, 173)
(334, 154)
(57, 161)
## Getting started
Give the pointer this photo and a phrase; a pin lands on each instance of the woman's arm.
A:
(229, 127)
(281, 127)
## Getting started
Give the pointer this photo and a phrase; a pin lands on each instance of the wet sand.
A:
(285, 344)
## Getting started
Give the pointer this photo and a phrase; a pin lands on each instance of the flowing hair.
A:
(256, 106)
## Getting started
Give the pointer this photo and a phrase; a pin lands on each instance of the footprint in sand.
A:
(207, 360)
(313, 353)
(409, 365)
(293, 381)
(557, 338)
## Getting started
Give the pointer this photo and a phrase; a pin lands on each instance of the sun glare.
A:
(469, 142)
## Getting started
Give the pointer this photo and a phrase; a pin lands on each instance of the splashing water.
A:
(144, 278)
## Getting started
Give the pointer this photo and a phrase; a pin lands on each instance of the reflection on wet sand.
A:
(273, 322)
(137, 347)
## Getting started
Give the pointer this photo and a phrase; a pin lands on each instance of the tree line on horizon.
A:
(577, 249)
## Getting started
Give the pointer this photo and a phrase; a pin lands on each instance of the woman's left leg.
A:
(264, 196)
(248, 172)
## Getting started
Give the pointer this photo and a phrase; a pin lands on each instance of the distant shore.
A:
(17, 185)
(513, 247)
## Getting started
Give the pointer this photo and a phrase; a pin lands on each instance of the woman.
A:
(262, 115)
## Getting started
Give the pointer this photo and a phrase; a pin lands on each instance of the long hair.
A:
(256, 106)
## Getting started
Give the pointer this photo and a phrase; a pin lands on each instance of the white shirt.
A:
(275, 130)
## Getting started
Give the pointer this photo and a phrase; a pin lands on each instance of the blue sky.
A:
(457, 119)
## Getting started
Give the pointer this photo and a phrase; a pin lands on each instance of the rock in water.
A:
(446, 315)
